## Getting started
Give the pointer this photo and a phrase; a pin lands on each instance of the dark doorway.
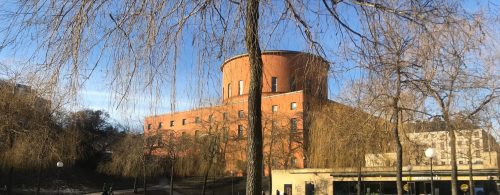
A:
(288, 189)
(309, 189)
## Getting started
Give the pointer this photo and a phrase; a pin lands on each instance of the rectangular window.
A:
(293, 106)
(160, 125)
(293, 125)
(275, 108)
(229, 90)
(241, 114)
(197, 119)
(274, 86)
(477, 143)
(149, 126)
(240, 131)
(210, 117)
(171, 123)
(478, 154)
(240, 88)
(183, 121)
(225, 116)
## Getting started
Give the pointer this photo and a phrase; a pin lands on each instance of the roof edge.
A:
(269, 52)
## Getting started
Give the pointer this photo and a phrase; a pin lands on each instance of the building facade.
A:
(293, 82)
(378, 175)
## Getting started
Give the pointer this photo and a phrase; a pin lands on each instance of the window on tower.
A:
(274, 86)
(240, 88)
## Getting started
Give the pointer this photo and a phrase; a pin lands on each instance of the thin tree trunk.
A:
(144, 178)
(38, 177)
(254, 138)
(135, 185)
(395, 121)
(205, 177)
(172, 178)
(270, 163)
(9, 180)
(358, 190)
(11, 169)
(469, 154)
(453, 154)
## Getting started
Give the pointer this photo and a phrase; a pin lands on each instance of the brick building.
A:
(293, 83)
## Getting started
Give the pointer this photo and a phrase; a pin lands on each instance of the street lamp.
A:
(430, 153)
(59, 165)
(232, 183)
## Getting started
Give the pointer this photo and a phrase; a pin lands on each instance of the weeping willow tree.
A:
(133, 157)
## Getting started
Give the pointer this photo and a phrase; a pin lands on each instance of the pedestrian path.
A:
(163, 186)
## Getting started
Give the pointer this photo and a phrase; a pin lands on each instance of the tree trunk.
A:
(172, 179)
(135, 185)
(453, 154)
(254, 138)
(144, 179)
(269, 164)
(9, 180)
(205, 177)
(38, 177)
(358, 187)
(395, 130)
(469, 154)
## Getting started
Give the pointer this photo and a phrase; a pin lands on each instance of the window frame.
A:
(274, 110)
(240, 87)
(293, 106)
(274, 84)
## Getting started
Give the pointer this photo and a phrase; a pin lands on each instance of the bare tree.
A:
(448, 80)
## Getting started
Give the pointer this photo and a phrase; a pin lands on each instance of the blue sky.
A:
(96, 93)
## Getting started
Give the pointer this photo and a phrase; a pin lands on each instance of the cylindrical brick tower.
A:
(283, 72)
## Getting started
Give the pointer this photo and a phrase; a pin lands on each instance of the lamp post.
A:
(232, 183)
(430, 153)
(59, 165)
(408, 168)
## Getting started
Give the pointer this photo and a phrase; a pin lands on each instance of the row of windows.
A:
(443, 136)
(274, 86)
(241, 115)
(293, 129)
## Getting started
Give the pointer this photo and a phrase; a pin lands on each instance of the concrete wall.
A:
(323, 182)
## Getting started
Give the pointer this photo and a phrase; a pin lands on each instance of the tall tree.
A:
(254, 138)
